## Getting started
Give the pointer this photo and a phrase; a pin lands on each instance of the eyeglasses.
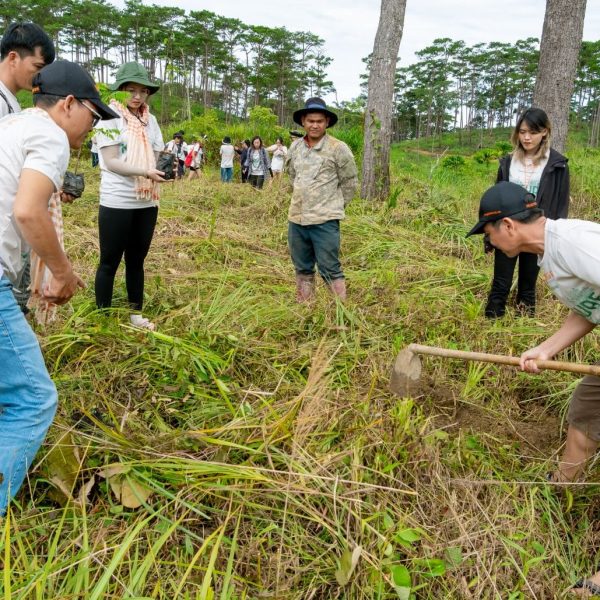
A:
(140, 94)
(97, 116)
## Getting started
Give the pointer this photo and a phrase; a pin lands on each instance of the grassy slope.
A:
(265, 430)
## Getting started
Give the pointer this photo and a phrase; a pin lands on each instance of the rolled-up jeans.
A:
(27, 396)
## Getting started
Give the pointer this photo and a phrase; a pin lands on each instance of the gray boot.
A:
(305, 287)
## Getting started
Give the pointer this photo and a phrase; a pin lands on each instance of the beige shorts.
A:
(584, 409)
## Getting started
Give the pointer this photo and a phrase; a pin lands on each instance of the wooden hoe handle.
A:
(555, 365)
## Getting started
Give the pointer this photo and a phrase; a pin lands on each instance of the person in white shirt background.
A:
(227, 152)
(279, 152)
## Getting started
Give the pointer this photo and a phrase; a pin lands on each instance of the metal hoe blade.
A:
(405, 374)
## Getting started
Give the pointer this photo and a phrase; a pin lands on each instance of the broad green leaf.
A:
(348, 562)
(401, 576)
(409, 535)
(432, 567)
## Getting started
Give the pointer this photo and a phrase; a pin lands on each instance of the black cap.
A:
(505, 199)
(64, 78)
(296, 134)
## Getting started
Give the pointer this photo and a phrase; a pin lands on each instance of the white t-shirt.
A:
(571, 264)
(197, 160)
(177, 150)
(10, 99)
(118, 191)
(526, 174)
(227, 152)
(279, 155)
(256, 165)
(28, 140)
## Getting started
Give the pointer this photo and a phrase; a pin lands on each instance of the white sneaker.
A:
(142, 322)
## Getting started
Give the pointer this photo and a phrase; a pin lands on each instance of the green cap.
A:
(133, 72)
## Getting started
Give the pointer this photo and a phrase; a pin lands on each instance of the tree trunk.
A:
(559, 56)
(378, 114)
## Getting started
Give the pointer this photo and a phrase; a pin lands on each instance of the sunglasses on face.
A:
(97, 116)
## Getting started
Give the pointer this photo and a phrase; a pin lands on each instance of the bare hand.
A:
(66, 198)
(528, 358)
(62, 288)
(156, 175)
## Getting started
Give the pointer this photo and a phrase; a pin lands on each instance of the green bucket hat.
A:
(133, 72)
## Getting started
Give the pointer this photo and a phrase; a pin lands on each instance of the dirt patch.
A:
(537, 430)
(533, 427)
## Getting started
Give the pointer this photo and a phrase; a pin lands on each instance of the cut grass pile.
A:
(249, 448)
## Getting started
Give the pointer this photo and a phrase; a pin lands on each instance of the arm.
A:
(499, 174)
(573, 329)
(31, 214)
(113, 162)
(347, 174)
(289, 166)
(563, 195)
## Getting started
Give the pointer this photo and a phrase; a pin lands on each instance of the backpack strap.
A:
(10, 108)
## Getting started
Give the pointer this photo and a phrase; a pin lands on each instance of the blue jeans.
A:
(226, 174)
(320, 244)
(27, 396)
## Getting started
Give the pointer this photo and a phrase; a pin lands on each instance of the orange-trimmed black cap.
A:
(64, 78)
(505, 199)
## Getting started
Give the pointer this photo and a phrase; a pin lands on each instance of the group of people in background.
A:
(256, 166)
(258, 163)
(523, 219)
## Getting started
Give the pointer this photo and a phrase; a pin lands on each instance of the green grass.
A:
(250, 448)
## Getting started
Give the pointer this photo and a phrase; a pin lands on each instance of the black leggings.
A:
(504, 268)
(126, 231)
(256, 181)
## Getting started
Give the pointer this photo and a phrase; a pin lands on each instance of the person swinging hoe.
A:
(568, 253)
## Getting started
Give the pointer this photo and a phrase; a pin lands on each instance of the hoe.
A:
(407, 368)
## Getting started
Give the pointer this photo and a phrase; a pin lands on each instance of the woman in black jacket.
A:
(542, 171)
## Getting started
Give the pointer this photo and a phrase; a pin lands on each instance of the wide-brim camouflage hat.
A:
(133, 72)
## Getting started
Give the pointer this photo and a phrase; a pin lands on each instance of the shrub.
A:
(503, 148)
(454, 161)
(485, 155)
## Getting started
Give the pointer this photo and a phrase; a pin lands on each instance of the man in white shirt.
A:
(25, 48)
(569, 254)
(227, 152)
(34, 153)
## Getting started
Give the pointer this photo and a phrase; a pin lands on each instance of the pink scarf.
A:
(139, 149)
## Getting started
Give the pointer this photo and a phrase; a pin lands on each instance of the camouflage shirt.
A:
(324, 179)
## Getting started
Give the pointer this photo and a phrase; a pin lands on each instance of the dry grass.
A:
(259, 437)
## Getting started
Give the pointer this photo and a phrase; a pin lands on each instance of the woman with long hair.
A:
(257, 163)
(542, 171)
(129, 189)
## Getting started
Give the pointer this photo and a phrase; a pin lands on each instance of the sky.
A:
(349, 26)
